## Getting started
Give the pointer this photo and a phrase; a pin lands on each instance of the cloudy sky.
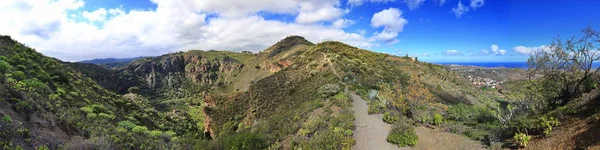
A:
(433, 30)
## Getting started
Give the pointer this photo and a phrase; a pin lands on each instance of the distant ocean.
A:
(487, 64)
(522, 65)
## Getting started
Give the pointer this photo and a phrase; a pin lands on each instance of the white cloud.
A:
(452, 52)
(476, 4)
(414, 4)
(98, 15)
(496, 50)
(47, 25)
(387, 37)
(391, 19)
(392, 22)
(354, 3)
(460, 9)
(425, 54)
(342, 23)
(311, 13)
(530, 50)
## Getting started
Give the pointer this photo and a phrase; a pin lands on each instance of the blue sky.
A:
(433, 30)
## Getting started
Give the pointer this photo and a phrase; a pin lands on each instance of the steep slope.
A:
(290, 94)
(44, 103)
(283, 107)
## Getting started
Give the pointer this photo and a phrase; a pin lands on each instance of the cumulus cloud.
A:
(342, 23)
(312, 12)
(530, 50)
(460, 9)
(387, 37)
(98, 15)
(355, 3)
(391, 19)
(392, 22)
(452, 52)
(414, 4)
(55, 27)
(496, 50)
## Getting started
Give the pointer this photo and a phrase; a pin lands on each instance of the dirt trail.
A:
(371, 132)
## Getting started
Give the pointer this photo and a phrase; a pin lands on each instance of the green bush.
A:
(522, 139)
(139, 129)
(329, 140)
(244, 141)
(462, 112)
(391, 117)
(19, 75)
(311, 125)
(329, 90)
(437, 119)
(155, 133)
(7, 119)
(4, 67)
(43, 147)
(403, 135)
(546, 124)
(126, 124)
(106, 116)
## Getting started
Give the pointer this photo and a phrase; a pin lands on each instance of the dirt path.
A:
(431, 139)
(371, 132)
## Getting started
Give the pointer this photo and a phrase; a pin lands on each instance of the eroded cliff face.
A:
(171, 71)
(201, 70)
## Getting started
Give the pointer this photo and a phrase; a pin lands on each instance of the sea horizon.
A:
(521, 65)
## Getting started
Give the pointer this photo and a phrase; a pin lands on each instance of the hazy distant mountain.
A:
(110, 62)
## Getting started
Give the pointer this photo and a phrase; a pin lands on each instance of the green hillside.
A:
(294, 94)
(44, 103)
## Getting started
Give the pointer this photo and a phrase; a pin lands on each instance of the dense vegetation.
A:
(293, 95)
(46, 104)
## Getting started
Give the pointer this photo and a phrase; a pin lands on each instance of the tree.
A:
(567, 64)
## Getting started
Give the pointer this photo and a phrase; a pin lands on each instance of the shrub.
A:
(106, 116)
(546, 124)
(86, 109)
(437, 119)
(7, 119)
(19, 75)
(391, 117)
(4, 66)
(522, 139)
(126, 124)
(43, 147)
(155, 133)
(311, 125)
(403, 135)
(244, 141)
(328, 90)
(328, 139)
(139, 129)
